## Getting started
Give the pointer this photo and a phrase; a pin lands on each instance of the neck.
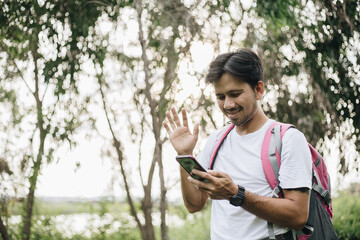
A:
(258, 120)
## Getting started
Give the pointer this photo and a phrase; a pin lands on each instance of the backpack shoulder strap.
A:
(271, 150)
(220, 140)
(270, 159)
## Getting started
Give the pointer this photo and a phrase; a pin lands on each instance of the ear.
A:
(259, 90)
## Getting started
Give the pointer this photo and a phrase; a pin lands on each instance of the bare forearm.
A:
(281, 211)
(291, 211)
(194, 199)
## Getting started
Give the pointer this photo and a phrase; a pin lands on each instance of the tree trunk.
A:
(143, 229)
(163, 202)
(37, 163)
(30, 201)
(3, 231)
(146, 206)
(31, 195)
(146, 234)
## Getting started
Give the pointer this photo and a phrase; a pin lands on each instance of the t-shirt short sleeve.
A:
(296, 164)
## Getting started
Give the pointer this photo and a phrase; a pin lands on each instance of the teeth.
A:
(233, 112)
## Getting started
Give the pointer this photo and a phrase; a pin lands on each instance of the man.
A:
(237, 78)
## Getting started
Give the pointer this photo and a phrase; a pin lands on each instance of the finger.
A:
(207, 191)
(217, 174)
(184, 116)
(166, 126)
(198, 184)
(199, 172)
(168, 116)
(193, 183)
(196, 131)
(203, 174)
(176, 117)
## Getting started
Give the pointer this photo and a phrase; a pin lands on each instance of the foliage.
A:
(147, 77)
(46, 44)
(196, 226)
(314, 43)
(44, 228)
(347, 214)
(43, 45)
(92, 207)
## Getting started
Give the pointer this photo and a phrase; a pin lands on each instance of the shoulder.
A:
(296, 163)
(288, 131)
(295, 146)
(293, 135)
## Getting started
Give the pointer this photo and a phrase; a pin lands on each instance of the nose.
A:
(228, 103)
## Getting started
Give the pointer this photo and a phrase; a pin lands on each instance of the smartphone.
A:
(189, 163)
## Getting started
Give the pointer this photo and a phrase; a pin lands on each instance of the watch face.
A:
(236, 201)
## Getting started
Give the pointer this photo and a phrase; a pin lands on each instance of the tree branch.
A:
(117, 145)
(237, 23)
(140, 155)
(18, 69)
(152, 102)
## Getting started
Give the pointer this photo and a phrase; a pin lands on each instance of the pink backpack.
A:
(319, 224)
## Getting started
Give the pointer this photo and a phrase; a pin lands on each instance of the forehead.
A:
(228, 83)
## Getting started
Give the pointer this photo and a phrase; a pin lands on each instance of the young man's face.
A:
(236, 99)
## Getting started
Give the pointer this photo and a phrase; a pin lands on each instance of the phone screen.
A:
(189, 163)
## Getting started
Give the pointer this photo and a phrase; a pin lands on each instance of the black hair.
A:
(243, 64)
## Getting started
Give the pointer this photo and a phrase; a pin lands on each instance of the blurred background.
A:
(84, 87)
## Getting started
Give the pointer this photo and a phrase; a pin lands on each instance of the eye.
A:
(234, 95)
(220, 97)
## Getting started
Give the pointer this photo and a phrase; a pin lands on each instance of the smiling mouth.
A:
(232, 113)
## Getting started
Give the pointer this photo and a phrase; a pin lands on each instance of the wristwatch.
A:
(238, 199)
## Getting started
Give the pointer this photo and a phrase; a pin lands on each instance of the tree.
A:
(42, 44)
(165, 30)
(315, 43)
(310, 56)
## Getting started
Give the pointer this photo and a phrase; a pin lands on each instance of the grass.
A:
(92, 207)
(346, 218)
(195, 226)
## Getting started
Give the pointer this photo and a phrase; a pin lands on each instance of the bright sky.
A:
(64, 179)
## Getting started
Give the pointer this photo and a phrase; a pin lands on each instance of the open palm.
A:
(180, 136)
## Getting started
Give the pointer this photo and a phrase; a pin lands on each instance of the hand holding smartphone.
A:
(189, 163)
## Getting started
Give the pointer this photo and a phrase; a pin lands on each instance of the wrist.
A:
(234, 189)
(238, 199)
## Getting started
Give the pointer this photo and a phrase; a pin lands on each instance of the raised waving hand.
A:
(180, 136)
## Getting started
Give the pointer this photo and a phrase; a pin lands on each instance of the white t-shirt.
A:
(239, 157)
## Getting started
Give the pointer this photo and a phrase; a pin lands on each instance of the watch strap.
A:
(238, 199)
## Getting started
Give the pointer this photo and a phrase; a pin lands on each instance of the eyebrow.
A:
(231, 92)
